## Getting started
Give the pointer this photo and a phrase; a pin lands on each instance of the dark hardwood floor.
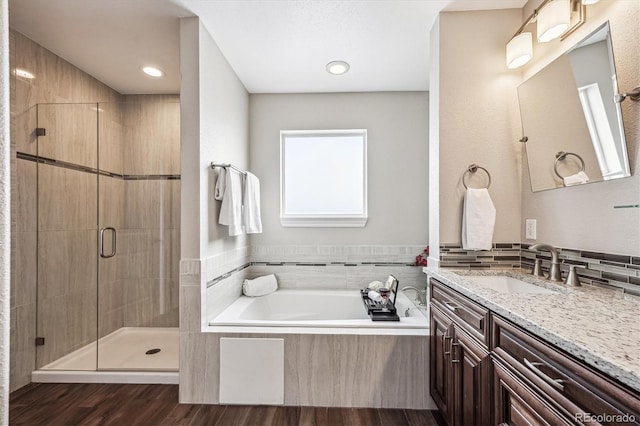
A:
(98, 404)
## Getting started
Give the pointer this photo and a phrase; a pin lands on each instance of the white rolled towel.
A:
(260, 286)
(374, 295)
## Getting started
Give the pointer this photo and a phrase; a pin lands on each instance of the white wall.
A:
(5, 219)
(397, 150)
(584, 217)
(215, 111)
(476, 112)
(434, 145)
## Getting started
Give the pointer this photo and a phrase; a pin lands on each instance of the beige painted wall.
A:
(477, 118)
(584, 217)
(397, 161)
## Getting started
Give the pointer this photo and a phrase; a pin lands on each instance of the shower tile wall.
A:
(151, 231)
(68, 272)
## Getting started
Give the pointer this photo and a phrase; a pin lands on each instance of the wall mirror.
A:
(572, 124)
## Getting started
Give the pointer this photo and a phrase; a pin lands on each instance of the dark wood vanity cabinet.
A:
(460, 364)
(485, 370)
(559, 389)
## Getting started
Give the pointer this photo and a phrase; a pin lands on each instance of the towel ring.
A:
(561, 156)
(472, 169)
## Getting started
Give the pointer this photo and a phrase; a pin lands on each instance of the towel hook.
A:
(472, 169)
(561, 156)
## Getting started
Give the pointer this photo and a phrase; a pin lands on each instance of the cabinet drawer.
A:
(465, 312)
(572, 387)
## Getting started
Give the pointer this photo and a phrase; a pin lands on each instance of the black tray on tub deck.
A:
(376, 310)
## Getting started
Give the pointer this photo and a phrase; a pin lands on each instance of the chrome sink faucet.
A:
(421, 295)
(554, 271)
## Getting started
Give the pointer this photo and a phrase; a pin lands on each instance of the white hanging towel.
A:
(577, 179)
(231, 208)
(221, 182)
(252, 220)
(478, 220)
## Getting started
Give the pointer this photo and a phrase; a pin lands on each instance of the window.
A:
(600, 130)
(323, 178)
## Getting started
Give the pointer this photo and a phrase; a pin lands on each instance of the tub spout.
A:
(421, 295)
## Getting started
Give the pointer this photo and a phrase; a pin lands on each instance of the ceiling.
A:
(274, 46)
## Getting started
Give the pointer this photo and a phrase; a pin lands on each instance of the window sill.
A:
(323, 221)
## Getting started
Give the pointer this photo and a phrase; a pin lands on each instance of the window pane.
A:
(324, 174)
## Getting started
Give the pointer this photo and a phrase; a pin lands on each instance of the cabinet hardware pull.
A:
(453, 359)
(533, 366)
(450, 306)
(444, 344)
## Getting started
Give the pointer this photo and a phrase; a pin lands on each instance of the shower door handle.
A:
(113, 242)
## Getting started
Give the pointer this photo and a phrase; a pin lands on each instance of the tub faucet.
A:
(421, 295)
(554, 271)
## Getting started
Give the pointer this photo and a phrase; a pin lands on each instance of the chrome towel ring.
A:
(472, 169)
(561, 156)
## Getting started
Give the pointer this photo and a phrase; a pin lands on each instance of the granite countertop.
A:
(598, 326)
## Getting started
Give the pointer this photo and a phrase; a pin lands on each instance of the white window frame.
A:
(323, 220)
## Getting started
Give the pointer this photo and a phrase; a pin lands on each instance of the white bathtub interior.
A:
(316, 308)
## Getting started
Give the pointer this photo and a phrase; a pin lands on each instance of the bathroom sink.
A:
(507, 284)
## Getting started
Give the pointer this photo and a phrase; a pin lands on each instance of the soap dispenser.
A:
(572, 277)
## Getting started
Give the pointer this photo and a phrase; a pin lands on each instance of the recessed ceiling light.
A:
(153, 71)
(24, 73)
(337, 67)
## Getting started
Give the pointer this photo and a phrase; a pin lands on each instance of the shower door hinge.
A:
(41, 131)
(39, 341)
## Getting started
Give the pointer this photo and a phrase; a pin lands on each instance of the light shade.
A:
(589, 2)
(519, 50)
(337, 67)
(553, 20)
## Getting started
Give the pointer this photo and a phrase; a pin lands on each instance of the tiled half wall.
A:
(619, 272)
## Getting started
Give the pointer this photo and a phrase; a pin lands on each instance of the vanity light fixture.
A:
(553, 20)
(337, 67)
(152, 71)
(519, 50)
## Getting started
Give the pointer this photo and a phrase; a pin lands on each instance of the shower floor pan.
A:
(123, 358)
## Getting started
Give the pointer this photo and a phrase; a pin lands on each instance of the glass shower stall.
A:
(106, 178)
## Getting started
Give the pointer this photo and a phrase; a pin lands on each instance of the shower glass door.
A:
(65, 169)
(104, 180)
(138, 234)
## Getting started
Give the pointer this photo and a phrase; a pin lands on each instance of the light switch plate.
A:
(530, 229)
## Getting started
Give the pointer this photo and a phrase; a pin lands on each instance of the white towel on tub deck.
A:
(251, 205)
(260, 286)
(478, 220)
(231, 208)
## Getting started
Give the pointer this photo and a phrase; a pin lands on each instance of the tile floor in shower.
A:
(126, 349)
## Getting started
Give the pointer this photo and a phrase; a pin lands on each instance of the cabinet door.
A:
(516, 404)
(472, 380)
(440, 371)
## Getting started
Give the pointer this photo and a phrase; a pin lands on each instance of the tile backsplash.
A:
(615, 271)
